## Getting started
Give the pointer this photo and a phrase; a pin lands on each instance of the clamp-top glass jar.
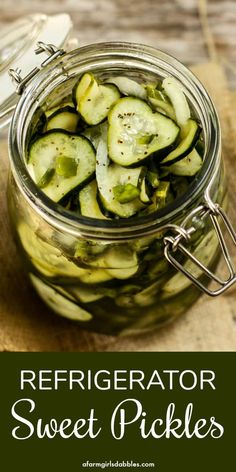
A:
(138, 288)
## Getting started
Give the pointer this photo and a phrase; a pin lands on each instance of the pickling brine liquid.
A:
(113, 288)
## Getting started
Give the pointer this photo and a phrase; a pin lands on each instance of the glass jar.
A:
(117, 276)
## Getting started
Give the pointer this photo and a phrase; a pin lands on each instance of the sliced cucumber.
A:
(135, 132)
(65, 118)
(72, 157)
(109, 177)
(188, 166)
(123, 273)
(45, 257)
(86, 249)
(81, 87)
(52, 110)
(160, 101)
(93, 100)
(174, 91)
(200, 147)
(119, 262)
(38, 123)
(88, 202)
(139, 139)
(95, 105)
(86, 294)
(189, 135)
(96, 276)
(148, 296)
(94, 133)
(128, 87)
(58, 303)
(162, 107)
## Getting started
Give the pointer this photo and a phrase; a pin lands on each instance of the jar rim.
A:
(132, 227)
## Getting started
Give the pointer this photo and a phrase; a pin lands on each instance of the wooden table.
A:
(172, 25)
(179, 29)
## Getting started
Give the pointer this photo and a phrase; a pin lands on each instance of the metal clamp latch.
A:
(186, 231)
(53, 53)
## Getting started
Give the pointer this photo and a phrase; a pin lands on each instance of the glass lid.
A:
(18, 42)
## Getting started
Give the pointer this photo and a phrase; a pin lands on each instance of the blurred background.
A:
(191, 30)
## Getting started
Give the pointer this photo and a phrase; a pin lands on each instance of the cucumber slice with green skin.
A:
(72, 157)
(160, 198)
(38, 123)
(93, 100)
(190, 134)
(128, 87)
(65, 118)
(52, 110)
(135, 132)
(88, 202)
(88, 250)
(123, 273)
(188, 166)
(162, 107)
(96, 104)
(117, 262)
(96, 276)
(159, 101)
(173, 90)
(45, 257)
(86, 294)
(109, 177)
(58, 302)
(94, 133)
(81, 87)
(121, 262)
(120, 257)
(200, 147)
(142, 298)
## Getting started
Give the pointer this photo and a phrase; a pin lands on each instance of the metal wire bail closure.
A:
(53, 52)
(184, 232)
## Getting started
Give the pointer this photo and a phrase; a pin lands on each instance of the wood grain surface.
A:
(171, 25)
(175, 26)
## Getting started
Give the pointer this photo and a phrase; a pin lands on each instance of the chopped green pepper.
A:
(66, 166)
(161, 194)
(125, 193)
(46, 178)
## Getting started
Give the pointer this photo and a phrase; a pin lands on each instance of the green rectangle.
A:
(146, 386)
